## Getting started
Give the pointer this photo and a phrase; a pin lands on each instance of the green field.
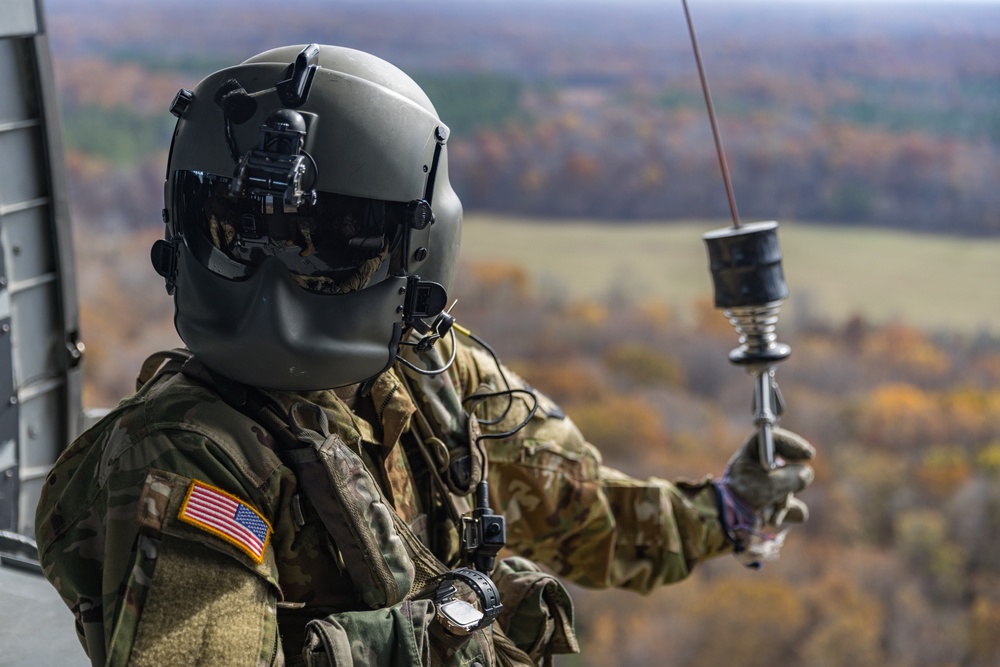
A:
(936, 282)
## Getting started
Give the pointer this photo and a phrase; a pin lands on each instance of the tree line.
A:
(879, 115)
(631, 156)
(626, 156)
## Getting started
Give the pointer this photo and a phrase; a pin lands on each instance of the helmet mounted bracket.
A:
(419, 212)
(164, 257)
(294, 91)
(441, 133)
(423, 300)
(279, 163)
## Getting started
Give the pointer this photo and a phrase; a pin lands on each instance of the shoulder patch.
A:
(227, 517)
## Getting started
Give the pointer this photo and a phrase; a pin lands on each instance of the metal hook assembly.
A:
(745, 261)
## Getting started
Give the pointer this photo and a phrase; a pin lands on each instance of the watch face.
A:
(459, 615)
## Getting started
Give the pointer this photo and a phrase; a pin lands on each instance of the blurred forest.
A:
(879, 114)
(898, 564)
(868, 115)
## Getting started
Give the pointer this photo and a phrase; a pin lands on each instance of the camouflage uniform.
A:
(149, 586)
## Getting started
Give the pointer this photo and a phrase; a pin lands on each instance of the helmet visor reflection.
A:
(329, 241)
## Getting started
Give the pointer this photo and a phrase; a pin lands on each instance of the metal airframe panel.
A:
(40, 381)
(25, 236)
(20, 17)
(22, 178)
(13, 76)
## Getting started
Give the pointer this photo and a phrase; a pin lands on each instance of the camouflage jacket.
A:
(151, 579)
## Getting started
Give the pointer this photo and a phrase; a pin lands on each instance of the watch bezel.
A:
(451, 623)
(485, 590)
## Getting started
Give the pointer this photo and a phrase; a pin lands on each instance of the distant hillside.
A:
(887, 114)
(833, 273)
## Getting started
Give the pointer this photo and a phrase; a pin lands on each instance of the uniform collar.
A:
(392, 406)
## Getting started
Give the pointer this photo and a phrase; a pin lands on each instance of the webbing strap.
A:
(426, 567)
(437, 456)
(337, 484)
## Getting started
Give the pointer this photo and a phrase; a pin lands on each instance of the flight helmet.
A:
(310, 222)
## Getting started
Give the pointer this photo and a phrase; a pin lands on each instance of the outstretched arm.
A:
(599, 527)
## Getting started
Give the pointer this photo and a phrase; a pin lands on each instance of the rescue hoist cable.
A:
(707, 93)
(745, 261)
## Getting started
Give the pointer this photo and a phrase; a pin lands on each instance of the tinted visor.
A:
(331, 239)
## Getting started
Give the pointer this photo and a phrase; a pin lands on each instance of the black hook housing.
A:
(746, 265)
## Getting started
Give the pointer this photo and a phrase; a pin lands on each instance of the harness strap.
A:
(168, 361)
(439, 460)
(297, 447)
(336, 483)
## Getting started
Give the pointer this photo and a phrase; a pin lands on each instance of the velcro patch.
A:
(227, 517)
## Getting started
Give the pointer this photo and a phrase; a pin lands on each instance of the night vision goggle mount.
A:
(278, 165)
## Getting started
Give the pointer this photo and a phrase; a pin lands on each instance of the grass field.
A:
(935, 282)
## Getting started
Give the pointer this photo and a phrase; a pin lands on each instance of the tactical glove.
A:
(757, 505)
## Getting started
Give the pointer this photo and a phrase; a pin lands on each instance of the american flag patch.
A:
(226, 516)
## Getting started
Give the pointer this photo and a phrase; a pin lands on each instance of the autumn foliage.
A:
(855, 114)
(898, 564)
(601, 118)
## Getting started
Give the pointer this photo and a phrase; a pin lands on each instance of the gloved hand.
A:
(758, 504)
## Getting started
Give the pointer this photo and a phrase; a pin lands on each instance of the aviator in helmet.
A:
(310, 221)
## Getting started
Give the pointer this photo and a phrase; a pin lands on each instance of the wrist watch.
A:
(457, 616)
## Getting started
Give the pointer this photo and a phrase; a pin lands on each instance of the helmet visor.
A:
(333, 245)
